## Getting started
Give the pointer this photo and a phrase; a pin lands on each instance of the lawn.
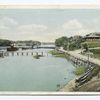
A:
(92, 44)
(57, 54)
(80, 70)
(96, 53)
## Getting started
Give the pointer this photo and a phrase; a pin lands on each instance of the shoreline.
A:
(69, 86)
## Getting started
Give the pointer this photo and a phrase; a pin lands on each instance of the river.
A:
(25, 73)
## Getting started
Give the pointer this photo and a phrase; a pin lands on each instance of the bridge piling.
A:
(7, 53)
(17, 53)
(32, 53)
(36, 53)
(22, 53)
(27, 54)
(47, 54)
(12, 53)
(42, 53)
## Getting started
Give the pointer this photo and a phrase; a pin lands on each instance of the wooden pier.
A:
(4, 54)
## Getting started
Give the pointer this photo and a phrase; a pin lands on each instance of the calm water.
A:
(25, 73)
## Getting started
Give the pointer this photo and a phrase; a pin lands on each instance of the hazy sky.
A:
(47, 24)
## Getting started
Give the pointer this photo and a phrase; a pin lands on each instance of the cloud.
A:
(72, 25)
(32, 28)
(3, 27)
(75, 27)
(11, 29)
(8, 22)
(7, 26)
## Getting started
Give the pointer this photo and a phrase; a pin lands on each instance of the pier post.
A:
(4, 53)
(42, 54)
(12, 53)
(27, 53)
(22, 53)
(47, 53)
(7, 54)
(1, 54)
(32, 53)
(17, 53)
(88, 61)
(36, 53)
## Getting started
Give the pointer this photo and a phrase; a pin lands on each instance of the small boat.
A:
(12, 48)
(38, 56)
(25, 48)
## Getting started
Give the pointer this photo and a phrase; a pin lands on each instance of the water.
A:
(25, 73)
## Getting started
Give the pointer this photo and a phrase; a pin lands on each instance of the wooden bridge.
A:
(21, 53)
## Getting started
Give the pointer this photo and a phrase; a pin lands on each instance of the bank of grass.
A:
(96, 70)
(56, 53)
(80, 70)
(93, 83)
(92, 44)
(96, 53)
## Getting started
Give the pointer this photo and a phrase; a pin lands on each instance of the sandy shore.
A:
(71, 85)
(68, 87)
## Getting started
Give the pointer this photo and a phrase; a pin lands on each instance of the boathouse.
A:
(92, 36)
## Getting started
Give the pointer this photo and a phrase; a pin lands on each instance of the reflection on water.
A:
(24, 73)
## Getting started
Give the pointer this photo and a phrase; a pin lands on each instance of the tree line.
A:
(70, 43)
(5, 42)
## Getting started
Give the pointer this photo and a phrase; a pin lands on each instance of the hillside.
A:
(92, 44)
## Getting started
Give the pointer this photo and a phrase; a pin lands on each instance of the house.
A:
(92, 36)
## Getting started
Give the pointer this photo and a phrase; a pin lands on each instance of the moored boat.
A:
(12, 48)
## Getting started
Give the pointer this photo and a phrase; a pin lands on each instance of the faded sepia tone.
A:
(52, 49)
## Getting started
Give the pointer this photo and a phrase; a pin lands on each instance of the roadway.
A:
(77, 54)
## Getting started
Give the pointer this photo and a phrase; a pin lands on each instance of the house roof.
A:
(93, 35)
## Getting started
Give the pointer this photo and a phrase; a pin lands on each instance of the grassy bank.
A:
(93, 85)
(96, 70)
(57, 54)
(96, 53)
(80, 70)
(92, 44)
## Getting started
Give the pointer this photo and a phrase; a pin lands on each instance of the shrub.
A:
(80, 70)
(57, 54)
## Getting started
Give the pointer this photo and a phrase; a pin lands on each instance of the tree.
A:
(85, 46)
(61, 41)
(4, 42)
(70, 43)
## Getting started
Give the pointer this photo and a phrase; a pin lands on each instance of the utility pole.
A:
(88, 59)
(68, 46)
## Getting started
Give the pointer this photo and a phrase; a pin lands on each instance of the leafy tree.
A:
(61, 41)
(70, 43)
(4, 42)
(85, 46)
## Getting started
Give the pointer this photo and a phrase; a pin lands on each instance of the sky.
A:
(46, 25)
